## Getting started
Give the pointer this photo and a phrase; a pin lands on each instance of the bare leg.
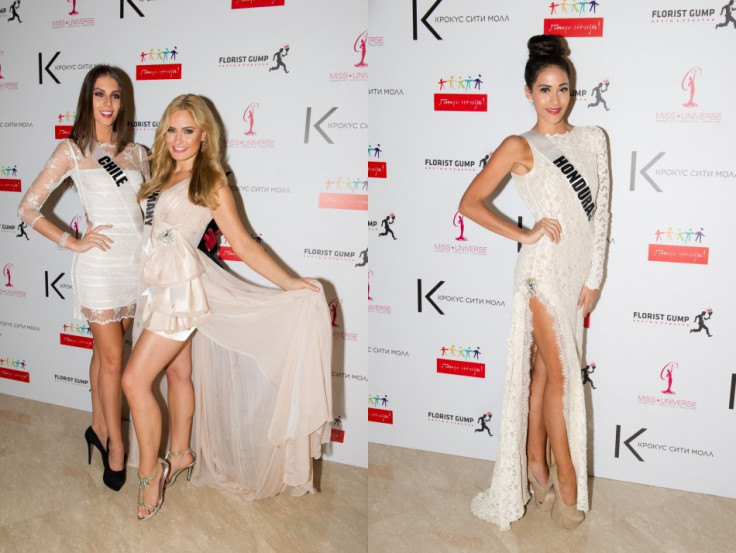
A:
(109, 343)
(151, 354)
(554, 420)
(536, 444)
(181, 406)
(98, 416)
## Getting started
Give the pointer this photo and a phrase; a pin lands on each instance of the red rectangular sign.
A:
(574, 26)
(159, 72)
(358, 202)
(12, 374)
(380, 415)
(9, 185)
(679, 254)
(227, 254)
(460, 102)
(461, 368)
(76, 341)
(241, 4)
(377, 169)
(62, 131)
(337, 435)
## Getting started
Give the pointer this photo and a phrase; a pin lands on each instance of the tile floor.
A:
(407, 501)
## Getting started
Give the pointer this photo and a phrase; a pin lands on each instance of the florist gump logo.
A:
(727, 12)
(679, 246)
(463, 420)
(596, 97)
(157, 64)
(11, 13)
(9, 181)
(458, 245)
(700, 319)
(461, 361)
(344, 193)
(460, 94)
(378, 409)
(376, 168)
(76, 335)
(243, 4)
(14, 369)
(686, 15)
(574, 19)
(64, 124)
(690, 84)
(668, 375)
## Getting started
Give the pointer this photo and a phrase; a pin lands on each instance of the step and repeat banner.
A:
(322, 100)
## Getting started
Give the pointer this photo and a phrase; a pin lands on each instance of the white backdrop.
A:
(431, 331)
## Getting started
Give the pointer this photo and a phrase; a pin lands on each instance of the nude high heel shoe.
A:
(172, 479)
(563, 514)
(543, 499)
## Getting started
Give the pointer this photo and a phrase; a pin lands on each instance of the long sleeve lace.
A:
(602, 215)
(57, 168)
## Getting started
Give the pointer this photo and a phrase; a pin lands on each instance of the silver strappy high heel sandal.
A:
(169, 454)
(143, 483)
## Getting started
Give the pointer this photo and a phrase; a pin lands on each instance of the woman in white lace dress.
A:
(562, 175)
(107, 171)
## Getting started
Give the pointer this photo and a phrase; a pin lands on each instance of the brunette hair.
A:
(544, 50)
(207, 172)
(83, 131)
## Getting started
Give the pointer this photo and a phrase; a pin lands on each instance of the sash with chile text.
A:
(579, 186)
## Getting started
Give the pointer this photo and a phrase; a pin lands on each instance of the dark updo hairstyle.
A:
(544, 50)
(83, 131)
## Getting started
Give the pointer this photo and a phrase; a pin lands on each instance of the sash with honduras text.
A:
(579, 186)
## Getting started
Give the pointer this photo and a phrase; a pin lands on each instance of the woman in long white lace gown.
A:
(562, 175)
(261, 356)
(104, 270)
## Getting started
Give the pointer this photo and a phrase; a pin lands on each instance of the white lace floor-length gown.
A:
(555, 274)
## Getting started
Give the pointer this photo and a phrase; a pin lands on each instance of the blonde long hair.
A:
(207, 172)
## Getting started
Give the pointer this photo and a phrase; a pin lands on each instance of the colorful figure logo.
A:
(463, 353)
(459, 221)
(359, 46)
(462, 84)
(378, 401)
(666, 374)
(688, 83)
(7, 273)
(375, 151)
(248, 118)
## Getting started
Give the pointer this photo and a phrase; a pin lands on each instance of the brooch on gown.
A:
(166, 236)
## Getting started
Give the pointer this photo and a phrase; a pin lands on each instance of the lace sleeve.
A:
(602, 215)
(57, 168)
(143, 162)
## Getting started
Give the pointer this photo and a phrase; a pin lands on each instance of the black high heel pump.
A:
(93, 440)
(113, 479)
